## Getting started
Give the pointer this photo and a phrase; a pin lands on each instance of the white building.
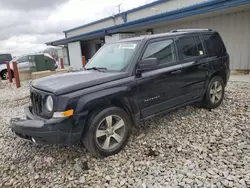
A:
(231, 18)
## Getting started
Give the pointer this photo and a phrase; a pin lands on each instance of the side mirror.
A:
(147, 64)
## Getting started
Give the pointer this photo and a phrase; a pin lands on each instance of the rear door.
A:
(216, 54)
(195, 67)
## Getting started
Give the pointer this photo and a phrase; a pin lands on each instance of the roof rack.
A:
(189, 30)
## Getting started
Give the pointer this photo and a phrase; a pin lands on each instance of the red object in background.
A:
(16, 74)
(83, 61)
(62, 64)
(9, 71)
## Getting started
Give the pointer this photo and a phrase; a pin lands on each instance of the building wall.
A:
(169, 5)
(65, 56)
(90, 28)
(234, 29)
(118, 36)
(75, 55)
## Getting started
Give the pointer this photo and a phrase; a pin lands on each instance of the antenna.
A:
(119, 8)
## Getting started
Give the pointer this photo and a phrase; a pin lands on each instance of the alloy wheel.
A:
(5, 75)
(216, 92)
(110, 132)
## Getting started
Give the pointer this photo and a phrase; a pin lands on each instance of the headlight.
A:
(49, 103)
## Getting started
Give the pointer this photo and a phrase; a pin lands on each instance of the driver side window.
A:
(163, 50)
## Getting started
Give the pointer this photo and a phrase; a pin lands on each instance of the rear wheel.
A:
(215, 93)
(108, 132)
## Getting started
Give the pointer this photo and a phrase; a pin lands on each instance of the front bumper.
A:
(48, 131)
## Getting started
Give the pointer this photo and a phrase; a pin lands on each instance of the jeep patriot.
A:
(126, 81)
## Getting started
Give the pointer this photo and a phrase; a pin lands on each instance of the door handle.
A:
(176, 72)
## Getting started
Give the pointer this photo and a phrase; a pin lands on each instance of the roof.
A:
(192, 10)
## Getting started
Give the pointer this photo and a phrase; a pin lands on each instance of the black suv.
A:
(125, 82)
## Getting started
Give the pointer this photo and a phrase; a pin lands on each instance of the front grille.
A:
(36, 100)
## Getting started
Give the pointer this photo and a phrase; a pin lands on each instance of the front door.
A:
(159, 89)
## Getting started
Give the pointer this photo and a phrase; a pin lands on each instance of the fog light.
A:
(33, 140)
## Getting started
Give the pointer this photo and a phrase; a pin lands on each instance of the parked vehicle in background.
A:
(51, 57)
(23, 63)
(125, 82)
(3, 70)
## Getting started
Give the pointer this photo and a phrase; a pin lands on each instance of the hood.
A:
(69, 82)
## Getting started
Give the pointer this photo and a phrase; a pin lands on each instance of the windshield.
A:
(113, 57)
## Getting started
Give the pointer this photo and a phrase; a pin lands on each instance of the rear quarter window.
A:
(213, 44)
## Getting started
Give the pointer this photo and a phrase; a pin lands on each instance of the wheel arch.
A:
(221, 74)
(97, 101)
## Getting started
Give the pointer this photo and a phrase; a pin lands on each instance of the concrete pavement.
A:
(240, 78)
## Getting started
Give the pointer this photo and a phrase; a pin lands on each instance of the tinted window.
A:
(191, 47)
(213, 44)
(23, 59)
(164, 51)
(199, 45)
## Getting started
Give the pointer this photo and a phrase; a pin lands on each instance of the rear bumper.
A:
(51, 131)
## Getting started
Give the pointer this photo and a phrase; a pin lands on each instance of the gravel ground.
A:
(190, 147)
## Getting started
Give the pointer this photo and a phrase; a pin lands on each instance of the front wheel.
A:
(108, 132)
(215, 93)
(4, 75)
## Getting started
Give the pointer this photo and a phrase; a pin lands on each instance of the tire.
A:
(4, 75)
(101, 138)
(215, 93)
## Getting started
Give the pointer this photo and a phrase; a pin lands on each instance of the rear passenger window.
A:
(163, 50)
(191, 47)
(199, 45)
(213, 44)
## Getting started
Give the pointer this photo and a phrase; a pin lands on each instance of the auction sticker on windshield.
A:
(127, 46)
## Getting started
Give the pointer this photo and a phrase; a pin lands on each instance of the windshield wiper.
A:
(100, 69)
